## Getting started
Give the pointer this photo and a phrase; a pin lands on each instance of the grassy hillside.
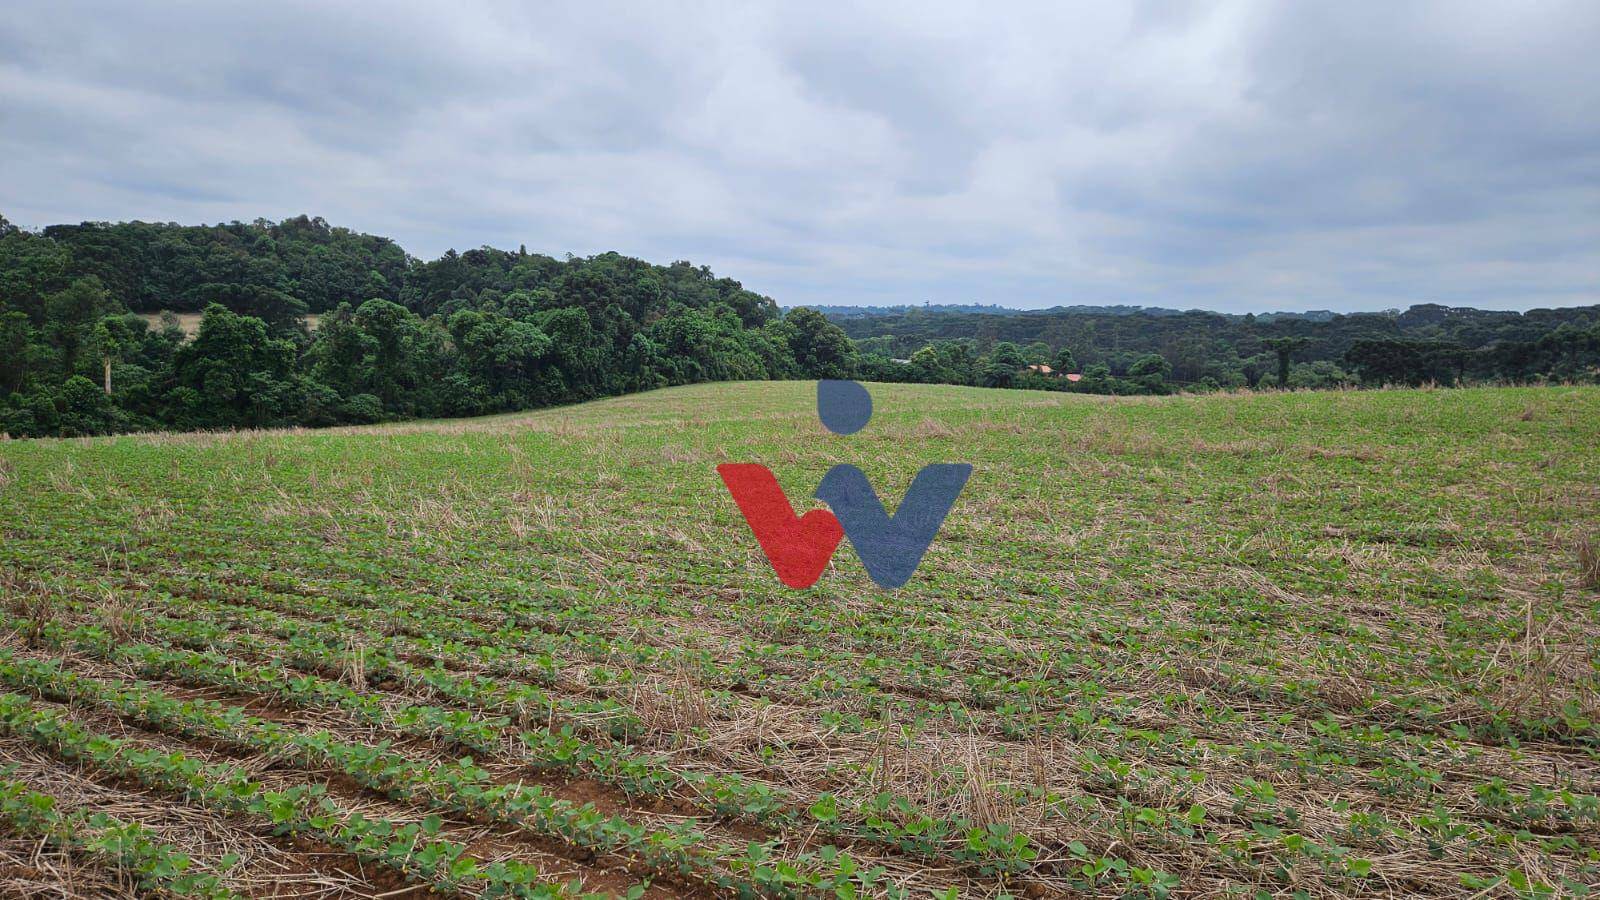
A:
(1339, 643)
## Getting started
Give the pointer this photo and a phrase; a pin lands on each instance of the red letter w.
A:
(798, 547)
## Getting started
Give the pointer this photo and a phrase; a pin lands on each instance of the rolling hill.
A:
(1340, 643)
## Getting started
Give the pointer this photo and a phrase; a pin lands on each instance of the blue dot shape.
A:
(843, 406)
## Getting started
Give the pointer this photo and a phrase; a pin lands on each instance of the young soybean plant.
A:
(123, 845)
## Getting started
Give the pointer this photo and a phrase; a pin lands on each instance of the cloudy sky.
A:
(1236, 156)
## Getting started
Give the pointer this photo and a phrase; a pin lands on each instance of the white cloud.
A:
(1235, 155)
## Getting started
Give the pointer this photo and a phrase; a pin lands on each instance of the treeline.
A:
(1121, 352)
(466, 334)
(491, 330)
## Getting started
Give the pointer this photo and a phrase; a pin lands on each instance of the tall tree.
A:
(1151, 372)
(71, 314)
(1065, 361)
(16, 336)
(820, 348)
(1285, 348)
(233, 373)
(113, 336)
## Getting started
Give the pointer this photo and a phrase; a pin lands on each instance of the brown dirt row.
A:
(920, 771)
(737, 730)
(268, 866)
(912, 764)
(1341, 695)
(507, 769)
(487, 841)
(1207, 682)
(31, 868)
(906, 766)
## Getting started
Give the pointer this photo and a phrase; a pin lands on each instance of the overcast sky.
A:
(1235, 156)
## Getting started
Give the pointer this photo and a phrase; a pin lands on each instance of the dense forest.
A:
(469, 333)
(82, 350)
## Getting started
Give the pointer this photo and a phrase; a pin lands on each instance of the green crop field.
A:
(1309, 644)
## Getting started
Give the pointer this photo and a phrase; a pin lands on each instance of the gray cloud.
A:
(1236, 155)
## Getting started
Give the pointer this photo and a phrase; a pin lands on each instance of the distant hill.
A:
(1225, 347)
(993, 309)
(907, 329)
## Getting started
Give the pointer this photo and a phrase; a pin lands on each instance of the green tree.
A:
(576, 355)
(282, 313)
(400, 357)
(1065, 361)
(31, 268)
(959, 361)
(1150, 372)
(70, 316)
(1284, 348)
(820, 348)
(1005, 353)
(518, 351)
(16, 338)
(341, 356)
(1409, 362)
(928, 366)
(1320, 374)
(112, 337)
(83, 408)
(1097, 380)
(1000, 366)
(233, 373)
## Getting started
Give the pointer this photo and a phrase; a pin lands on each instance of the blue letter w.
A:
(891, 549)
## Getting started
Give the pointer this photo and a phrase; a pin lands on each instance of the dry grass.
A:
(670, 704)
(1589, 562)
(189, 323)
(39, 870)
(34, 606)
(262, 867)
(123, 616)
(351, 665)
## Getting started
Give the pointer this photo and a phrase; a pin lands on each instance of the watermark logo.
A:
(890, 547)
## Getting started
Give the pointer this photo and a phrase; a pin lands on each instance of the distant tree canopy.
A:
(1207, 351)
(490, 330)
(476, 332)
(149, 267)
